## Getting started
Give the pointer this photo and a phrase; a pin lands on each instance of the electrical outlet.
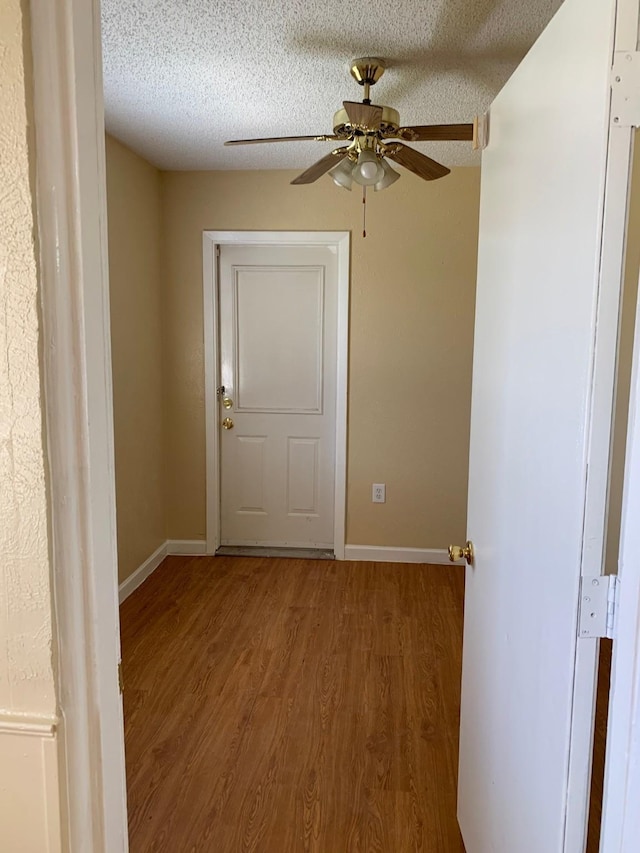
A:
(378, 493)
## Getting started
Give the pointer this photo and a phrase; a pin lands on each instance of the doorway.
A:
(82, 605)
(276, 439)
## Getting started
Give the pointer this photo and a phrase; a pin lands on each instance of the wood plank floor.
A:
(599, 746)
(282, 706)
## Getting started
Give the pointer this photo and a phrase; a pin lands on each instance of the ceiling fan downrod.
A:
(367, 71)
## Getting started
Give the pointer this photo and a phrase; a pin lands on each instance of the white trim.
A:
(189, 547)
(342, 390)
(210, 239)
(211, 374)
(71, 214)
(620, 832)
(172, 547)
(599, 427)
(19, 724)
(139, 576)
(384, 554)
(621, 817)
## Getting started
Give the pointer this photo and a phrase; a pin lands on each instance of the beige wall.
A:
(412, 304)
(632, 269)
(134, 215)
(28, 764)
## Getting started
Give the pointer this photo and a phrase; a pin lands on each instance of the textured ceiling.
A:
(181, 76)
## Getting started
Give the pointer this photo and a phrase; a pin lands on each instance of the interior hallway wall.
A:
(29, 792)
(134, 218)
(411, 335)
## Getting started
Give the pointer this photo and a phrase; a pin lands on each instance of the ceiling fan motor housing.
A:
(388, 126)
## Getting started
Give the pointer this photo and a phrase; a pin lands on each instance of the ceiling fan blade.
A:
(436, 133)
(416, 162)
(363, 115)
(318, 169)
(323, 138)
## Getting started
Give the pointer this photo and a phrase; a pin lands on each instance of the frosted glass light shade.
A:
(342, 174)
(389, 176)
(367, 170)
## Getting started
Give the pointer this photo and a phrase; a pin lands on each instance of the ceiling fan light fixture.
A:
(366, 131)
(342, 174)
(368, 170)
(390, 176)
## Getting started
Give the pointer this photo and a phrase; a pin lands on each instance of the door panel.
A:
(250, 473)
(278, 316)
(279, 362)
(302, 476)
(537, 325)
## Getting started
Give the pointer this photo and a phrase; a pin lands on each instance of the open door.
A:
(552, 215)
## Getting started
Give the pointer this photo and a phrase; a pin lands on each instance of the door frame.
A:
(69, 174)
(620, 816)
(599, 423)
(211, 241)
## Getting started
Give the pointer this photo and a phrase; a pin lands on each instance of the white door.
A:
(278, 316)
(543, 371)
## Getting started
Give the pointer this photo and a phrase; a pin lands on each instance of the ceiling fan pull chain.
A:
(364, 211)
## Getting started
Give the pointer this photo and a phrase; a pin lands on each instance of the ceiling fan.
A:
(373, 133)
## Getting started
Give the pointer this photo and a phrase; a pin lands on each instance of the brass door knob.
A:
(456, 552)
(227, 423)
(227, 403)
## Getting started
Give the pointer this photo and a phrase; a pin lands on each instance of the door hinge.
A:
(217, 251)
(598, 601)
(120, 677)
(625, 89)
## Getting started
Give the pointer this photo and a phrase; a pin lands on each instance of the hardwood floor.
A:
(599, 746)
(278, 706)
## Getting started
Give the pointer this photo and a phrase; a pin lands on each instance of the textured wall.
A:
(134, 208)
(411, 331)
(26, 677)
(29, 804)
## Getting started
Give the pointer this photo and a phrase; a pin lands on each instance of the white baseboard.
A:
(142, 572)
(197, 547)
(170, 547)
(192, 547)
(384, 554)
